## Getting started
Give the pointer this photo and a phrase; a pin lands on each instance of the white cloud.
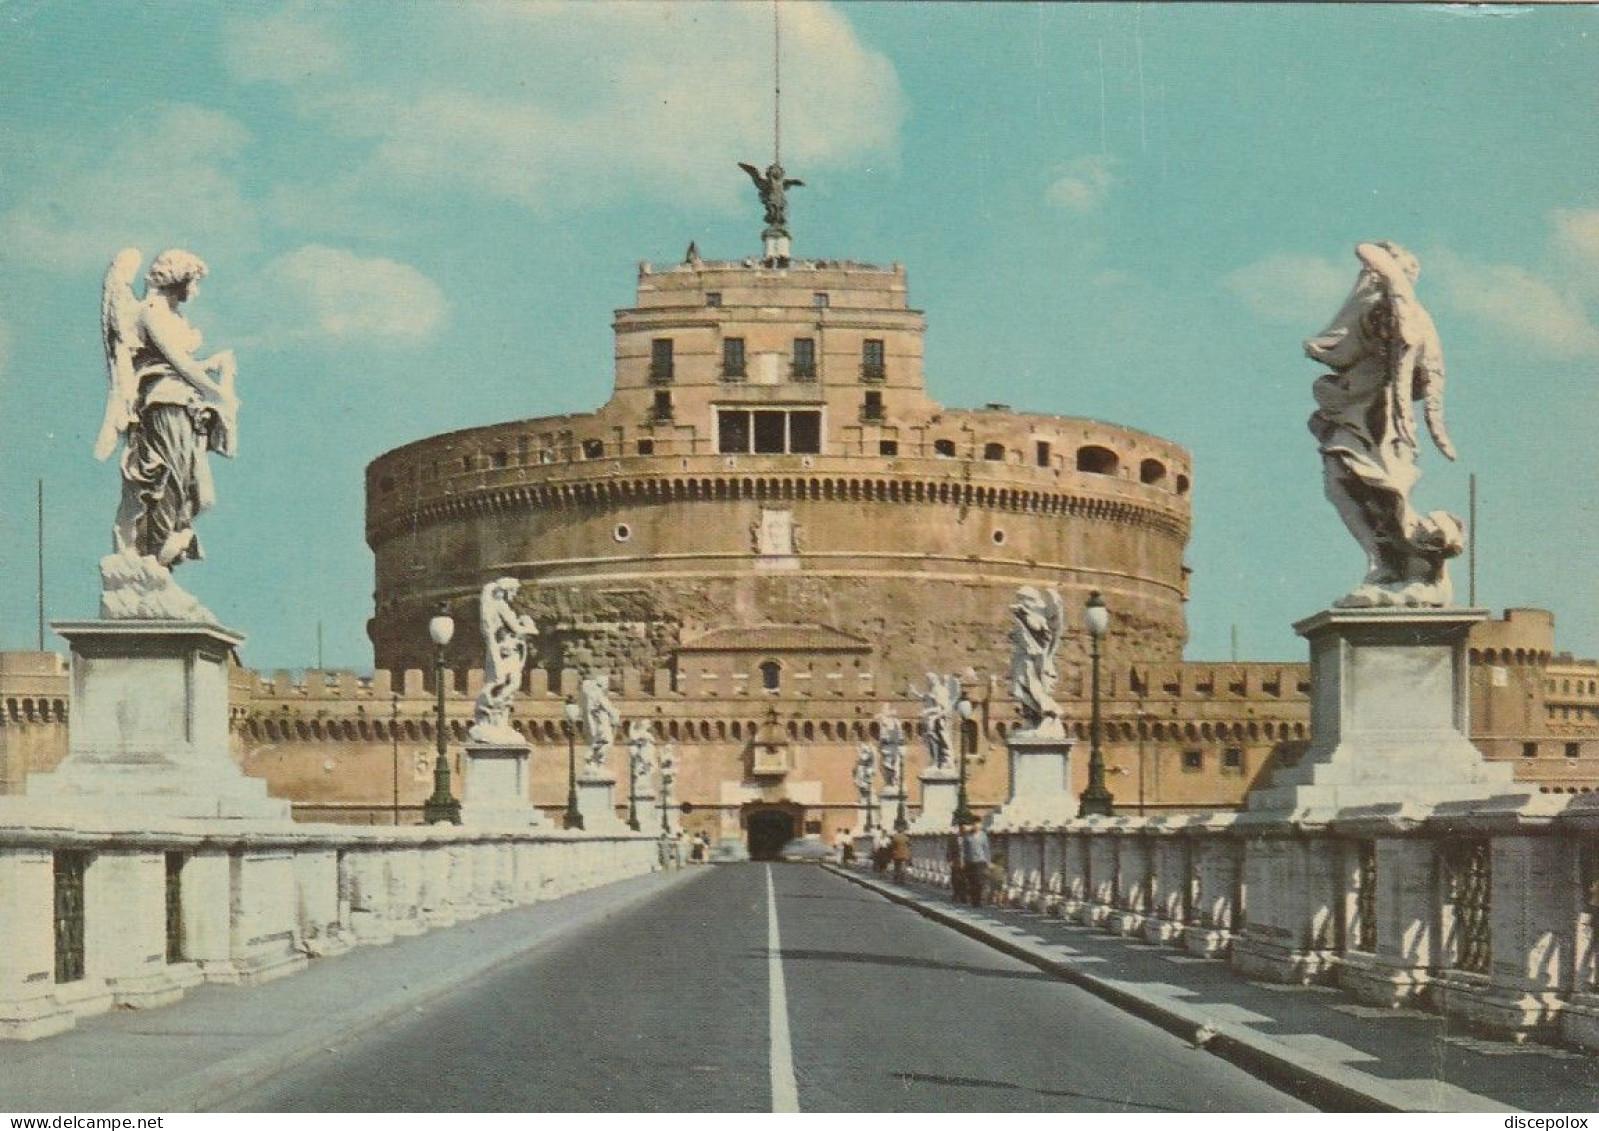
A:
(1305, 290)
(578, 103)
(1514, 301)
(1577, 234)
(164, 182)
(330, 293)
(1084, 186)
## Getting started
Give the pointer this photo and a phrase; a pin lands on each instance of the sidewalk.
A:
(1311, 1041)
(219, 1039)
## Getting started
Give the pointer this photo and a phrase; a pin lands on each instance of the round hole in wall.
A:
(622, 532)
(999, 537)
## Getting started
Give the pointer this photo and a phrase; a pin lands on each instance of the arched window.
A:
(1151, 471)
(994, 451)
(1097, 461)
(771, 675)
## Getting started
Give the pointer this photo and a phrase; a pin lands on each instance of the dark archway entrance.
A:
(769, 830)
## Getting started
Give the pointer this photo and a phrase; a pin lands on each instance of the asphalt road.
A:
(679, 1004)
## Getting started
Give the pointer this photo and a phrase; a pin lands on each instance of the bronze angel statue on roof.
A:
(773, 187)
(1384, 355)
(168, 406)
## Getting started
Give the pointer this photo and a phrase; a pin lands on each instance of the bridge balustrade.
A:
(1484, 911)
(98, 918)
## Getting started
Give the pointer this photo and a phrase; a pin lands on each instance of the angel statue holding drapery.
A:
(1038, 620)
(602, 719)
(938, 704)
(641, 747)
(170, 409)
(891, 745)
(865, 771)
(505, 637)
(1384, 354)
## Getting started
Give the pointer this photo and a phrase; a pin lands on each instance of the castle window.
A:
(1573, 749)
(733, 359)
(501, 458)
(466, 463)
(1097, 461)
(944, 449)
(593, 449)
(994, 451)
(1041, 453)
(661, 409)
(662, 369)
(999, 537)
(873, 367)
(1151, 471)
(1232, 758)
(713, 298)
(771, 675)
(646, 447)
(804, 359)
(1529, 749)
(1193, 761)
(872, 406)
(820, 300)
(772, 431)
(888, 447)
(622, 532)
(1182, 484)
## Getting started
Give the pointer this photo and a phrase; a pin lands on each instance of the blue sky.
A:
(420, 216)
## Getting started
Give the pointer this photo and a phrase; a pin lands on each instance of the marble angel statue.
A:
(865, 770)
(1384, 355)
(938, 707)
(168, 406)
(1038, 620)
(505, 644)
(641, 748)
(891, 746)
(601, 717)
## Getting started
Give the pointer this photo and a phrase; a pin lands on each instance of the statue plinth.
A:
(596, 801)
(1389, 714)
(1040, 778)
(940, 792)
(149, 725)
(495, 784)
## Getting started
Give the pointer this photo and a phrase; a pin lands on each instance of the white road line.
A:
(785, 1090)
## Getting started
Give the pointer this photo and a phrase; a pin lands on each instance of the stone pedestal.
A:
(649, 813)
(1389, 715)
(1040, 782)
(495, 784)
(596, 801)
(150, 724)
(940, 788)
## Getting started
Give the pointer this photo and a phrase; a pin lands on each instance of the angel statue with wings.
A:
(938, 704)
(168, 406)
(1038, 619)
(1383, 352)
(505, 637)
(602, 718)
(773, 187)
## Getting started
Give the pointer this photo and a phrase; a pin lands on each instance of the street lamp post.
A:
(635, 750)
(394, 748)
(441, 806)
(1142, 727)
(574, 817)
(963, 809)
(1096, 799)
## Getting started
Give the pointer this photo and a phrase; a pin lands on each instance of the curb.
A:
(217, 1084)
(1326, 1084)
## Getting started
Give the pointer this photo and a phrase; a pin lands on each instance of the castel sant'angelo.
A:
(767, 533)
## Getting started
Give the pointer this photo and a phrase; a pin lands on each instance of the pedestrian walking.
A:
(955, 856)
(899, 854)
(978, 857)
